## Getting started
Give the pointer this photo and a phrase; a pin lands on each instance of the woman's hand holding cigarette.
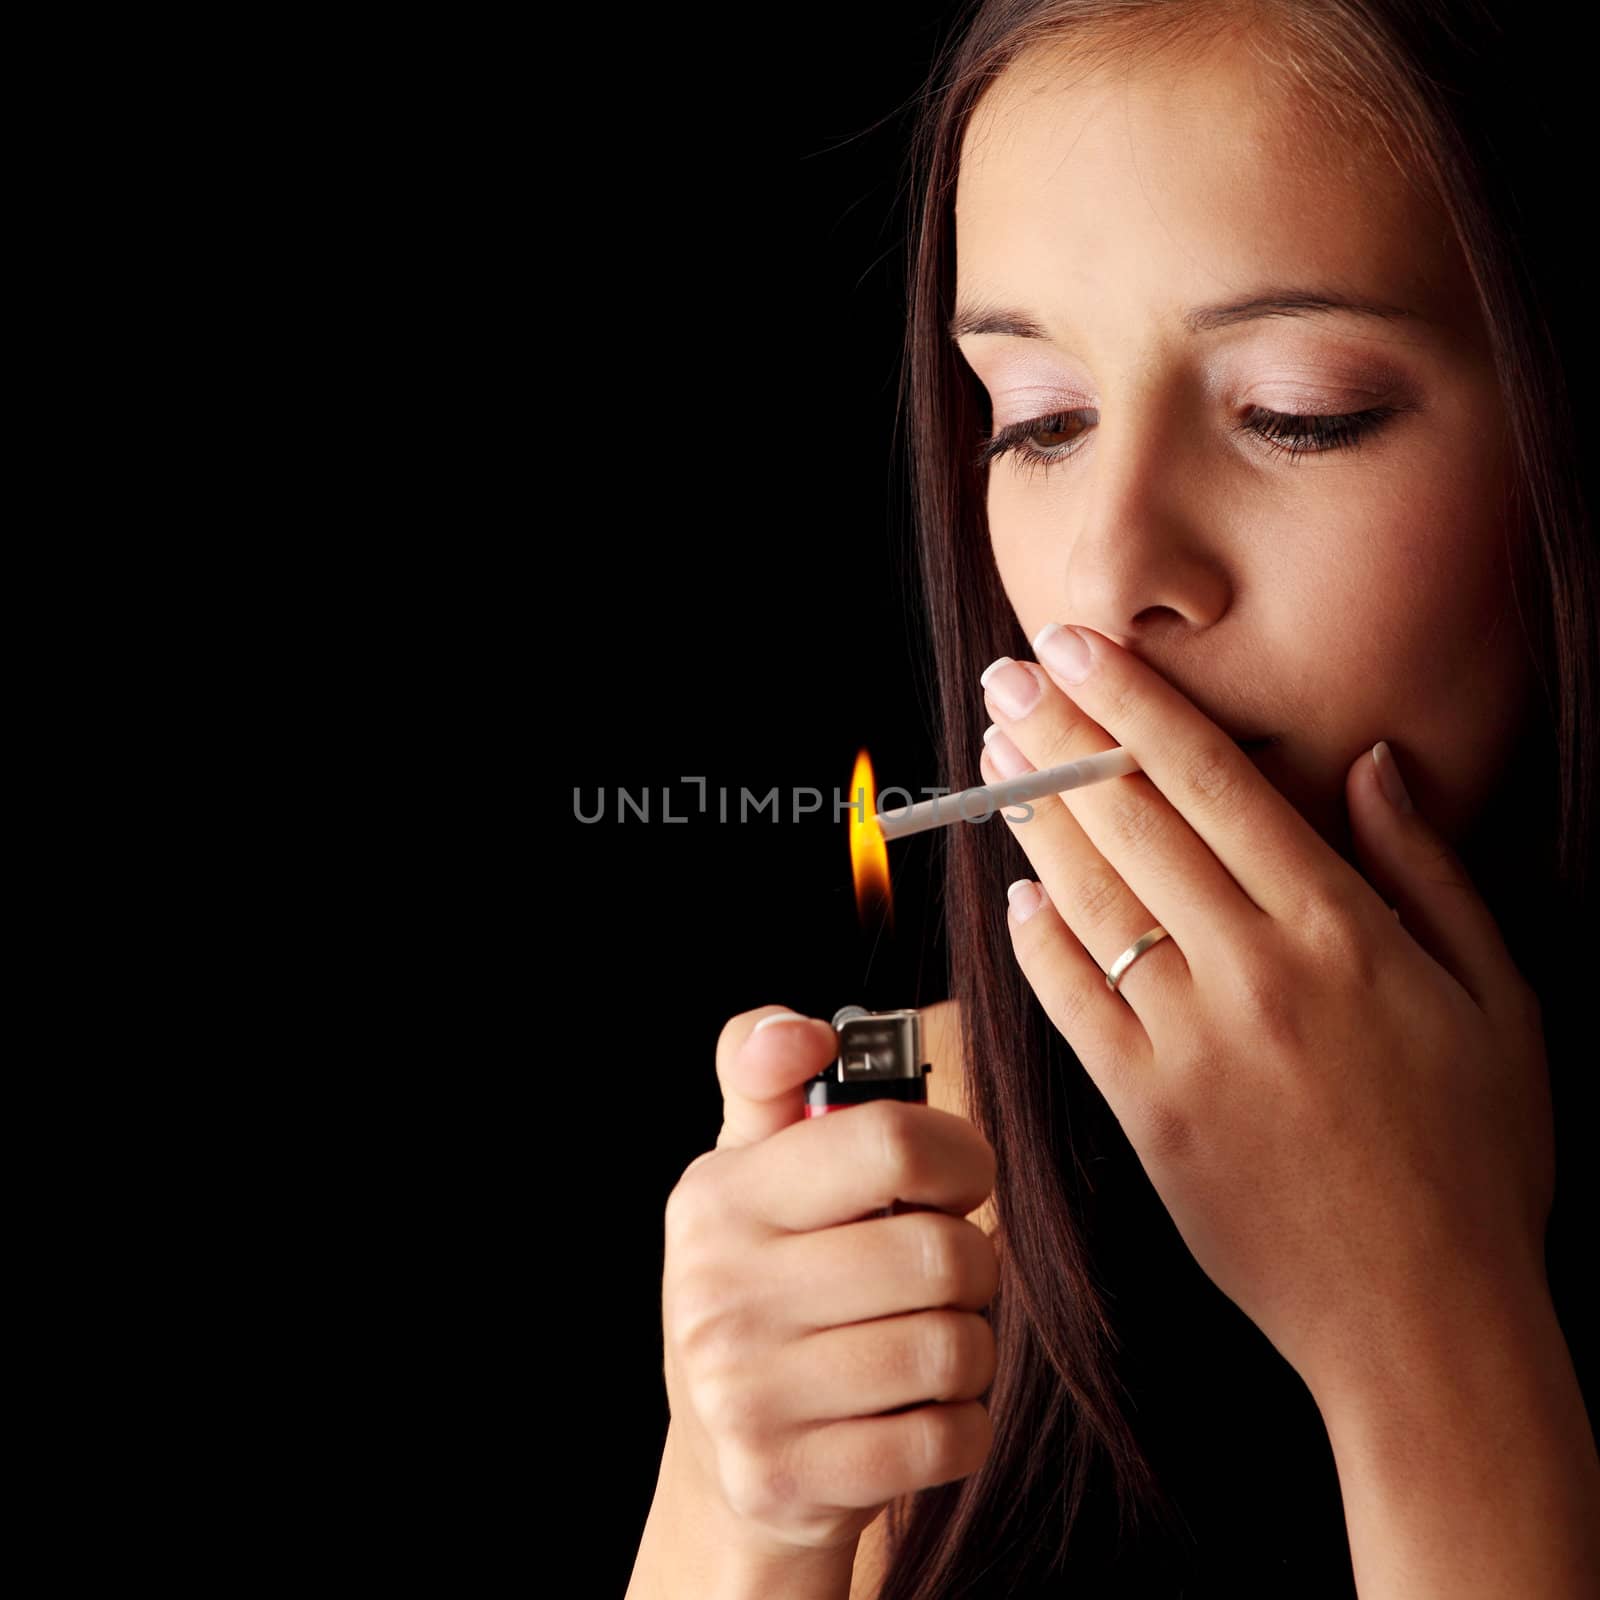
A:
(1347, 1115)
(821, 1361)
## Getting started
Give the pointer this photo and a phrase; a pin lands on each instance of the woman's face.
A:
(1331, 598)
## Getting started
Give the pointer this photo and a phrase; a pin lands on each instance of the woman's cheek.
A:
(1019, 557)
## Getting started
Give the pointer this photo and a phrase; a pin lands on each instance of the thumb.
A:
(1416, 870)
(763, 1060)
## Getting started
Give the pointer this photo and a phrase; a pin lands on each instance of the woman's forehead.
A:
(1153, 184)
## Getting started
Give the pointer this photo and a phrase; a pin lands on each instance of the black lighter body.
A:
(880, 1058)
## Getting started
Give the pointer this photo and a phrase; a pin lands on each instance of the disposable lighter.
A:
(880, 1058)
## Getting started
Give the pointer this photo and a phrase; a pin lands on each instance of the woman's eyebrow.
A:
(981, 317)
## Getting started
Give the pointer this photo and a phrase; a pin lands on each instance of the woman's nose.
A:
(1143, 544)
(1122, 580)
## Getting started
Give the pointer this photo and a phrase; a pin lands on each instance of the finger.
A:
(763, 1060)
(866, 1461)
(823, 1171)
(1090, 897)
(1416, 870)
(871, 1367)
(910, 1262)
(1094, 899)
(1107, 1036)
(1273, 855)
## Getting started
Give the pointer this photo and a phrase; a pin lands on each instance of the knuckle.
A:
(1438, 867)
(1214, 778)
(757, 1483)
(1135, 822)
(697, 1205)
(1122, 705)
(952, 1441)
(710, 1319)
(1062, 741)
(730, 1405)
(960, 1263)
(1101, 895)
(897, 1143)
(1055, 747)
(939, 1256)
(684, 1205)
(931, 1447)
(1072, 1003)
(1332, 933)
(943, 1355)
(1262, 995)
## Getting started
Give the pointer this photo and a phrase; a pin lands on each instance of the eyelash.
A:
(1330, 433)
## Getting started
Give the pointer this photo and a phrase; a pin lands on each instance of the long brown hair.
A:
(1432, 78)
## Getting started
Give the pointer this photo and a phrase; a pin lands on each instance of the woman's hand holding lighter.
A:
(818, 1365)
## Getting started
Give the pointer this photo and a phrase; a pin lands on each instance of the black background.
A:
(739, 607)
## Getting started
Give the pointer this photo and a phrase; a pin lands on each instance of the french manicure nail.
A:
(1005, 755)
(1064, 650)
(1025, 898)
(778, 1016)
(1011, 686)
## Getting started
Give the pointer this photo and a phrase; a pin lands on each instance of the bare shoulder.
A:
(942, 1045)
(941, 1034)
(947, 1088)
(872, 1559)
(871, 1570)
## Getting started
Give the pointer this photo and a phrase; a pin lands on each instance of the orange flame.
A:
(869, 852)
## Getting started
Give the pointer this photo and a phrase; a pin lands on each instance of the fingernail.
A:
(1025, 898)
(1005, 755)
(778, 1016)
(1011, 686)
(1389, 779)
(1064, 650)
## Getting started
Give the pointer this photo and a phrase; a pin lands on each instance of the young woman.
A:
(1242, 440)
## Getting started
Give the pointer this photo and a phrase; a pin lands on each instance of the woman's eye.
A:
(1284, 432)
(1018, 438)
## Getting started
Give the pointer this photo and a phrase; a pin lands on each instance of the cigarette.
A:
(981, 803)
